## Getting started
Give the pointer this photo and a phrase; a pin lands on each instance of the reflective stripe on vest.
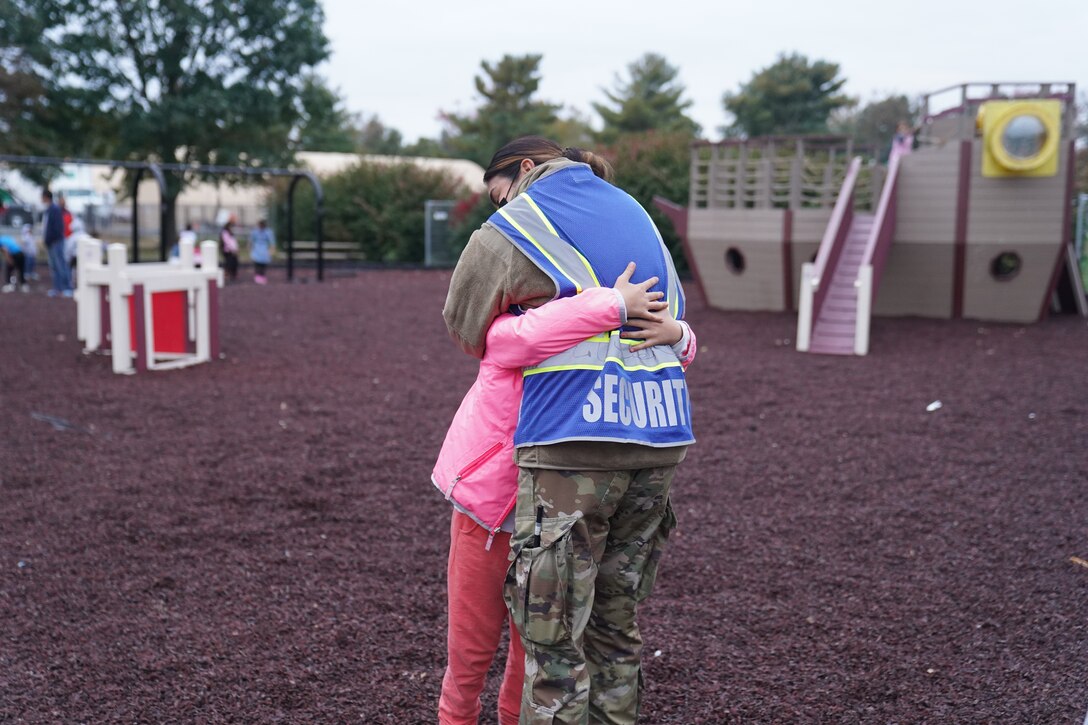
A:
(599, 389)
(536, 237)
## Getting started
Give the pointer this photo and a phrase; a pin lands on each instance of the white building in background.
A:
(85, 191)
(203, 203)
(469, 173)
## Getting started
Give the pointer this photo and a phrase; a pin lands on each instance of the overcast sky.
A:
(406, 61)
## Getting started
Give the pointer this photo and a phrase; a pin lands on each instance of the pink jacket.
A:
(476, 467)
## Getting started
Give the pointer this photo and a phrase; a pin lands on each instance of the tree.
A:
(509, 109)
(374, 137)
(649, 101)
(653, 164)
(22, 100)
(874, 125)
(325, 124)
(435, 148)
(196, 81)
(791, 96)
(329, 126)
(572, 129)
(35, 118)
(380, 206)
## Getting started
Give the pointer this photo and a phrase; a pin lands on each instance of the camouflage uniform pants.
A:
(573, 589)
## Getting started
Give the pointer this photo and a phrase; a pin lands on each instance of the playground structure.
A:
(156, 315)
(972, 224)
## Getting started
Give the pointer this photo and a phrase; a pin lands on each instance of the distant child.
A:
(261, 246)
(14, 265)
(903, 143)
(188, 235)
(71, 248)
(30, 251)
(229, 244)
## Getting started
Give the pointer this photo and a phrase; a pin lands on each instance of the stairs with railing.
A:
(837, 289)
(834, 330)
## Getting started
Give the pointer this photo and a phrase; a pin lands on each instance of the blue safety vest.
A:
(582, 231)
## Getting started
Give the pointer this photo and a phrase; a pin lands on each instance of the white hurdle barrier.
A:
(170, 308)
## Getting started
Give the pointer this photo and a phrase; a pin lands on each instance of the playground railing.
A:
(769, 173)
(834, 236)
(814, 287)
(876, 253)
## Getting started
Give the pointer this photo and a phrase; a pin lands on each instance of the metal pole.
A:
(136, 214)
(319, 213)
(157, 173)
(291, 228)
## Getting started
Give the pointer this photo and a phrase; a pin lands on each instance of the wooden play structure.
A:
(155, 315)
(972, 223)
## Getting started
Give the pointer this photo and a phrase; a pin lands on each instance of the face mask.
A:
(502, 202)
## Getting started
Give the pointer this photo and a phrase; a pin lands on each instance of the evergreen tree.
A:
(572, 129)
(374, 137)
(649, 101)
(326, 125)
(434, 148)
(509, 109)
(650, 164)
(791, 96)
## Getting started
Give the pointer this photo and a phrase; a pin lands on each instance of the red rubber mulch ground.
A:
(257, 540)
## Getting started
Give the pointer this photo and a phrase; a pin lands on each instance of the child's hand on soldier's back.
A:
(640, 302)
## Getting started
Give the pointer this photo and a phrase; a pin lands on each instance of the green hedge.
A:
(379, 206)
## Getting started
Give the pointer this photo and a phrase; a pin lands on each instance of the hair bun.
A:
(600, 166)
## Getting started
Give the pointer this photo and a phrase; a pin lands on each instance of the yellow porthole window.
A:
(1020, 138)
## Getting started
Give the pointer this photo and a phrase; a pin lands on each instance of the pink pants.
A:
(477, 614)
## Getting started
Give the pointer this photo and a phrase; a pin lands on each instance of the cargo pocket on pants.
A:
(538, 585)
(654, 549)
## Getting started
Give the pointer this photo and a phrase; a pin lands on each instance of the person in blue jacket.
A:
(14, 265)
(261, 245)
(53, 236)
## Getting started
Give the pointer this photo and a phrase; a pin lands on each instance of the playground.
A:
(898, 537)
